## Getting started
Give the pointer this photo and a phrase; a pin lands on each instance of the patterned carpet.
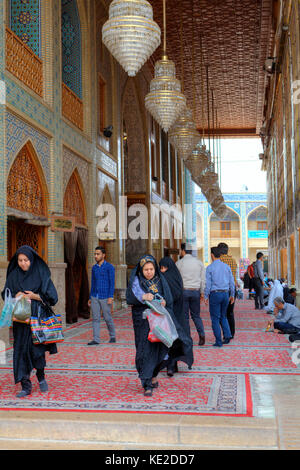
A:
(103, 378)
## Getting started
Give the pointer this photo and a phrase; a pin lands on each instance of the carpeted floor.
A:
(103, 378)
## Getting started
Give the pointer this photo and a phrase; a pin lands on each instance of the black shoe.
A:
(226, 340)
(112, 340)
(216, 345)
(43, 386)
(155, 384)
(92, 343)
(23, 393)
(170, 372)
(201, 340)
(148, 392)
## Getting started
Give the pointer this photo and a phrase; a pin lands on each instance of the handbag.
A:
(46, 328)
(22, 310)
(6, 314)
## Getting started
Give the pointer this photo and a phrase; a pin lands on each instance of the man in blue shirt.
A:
(102, 293)
(219, 291)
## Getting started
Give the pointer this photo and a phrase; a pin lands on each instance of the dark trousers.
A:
(230, 318)
(191, 304)
(286, 328)
(259, 293)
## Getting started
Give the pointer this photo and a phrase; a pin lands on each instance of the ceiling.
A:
(236, 38)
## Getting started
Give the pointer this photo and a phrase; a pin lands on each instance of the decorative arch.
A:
(106, 197)
(71, 35)
(229, 209)
(256, 209)
(74, 202)
(26, 184)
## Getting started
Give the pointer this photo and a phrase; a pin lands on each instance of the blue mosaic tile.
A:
(25, 22)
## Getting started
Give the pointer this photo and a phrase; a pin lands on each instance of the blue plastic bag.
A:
(6, 314)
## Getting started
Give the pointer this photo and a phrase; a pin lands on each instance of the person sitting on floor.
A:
(287, 317)
(276, 291)
(291, 296)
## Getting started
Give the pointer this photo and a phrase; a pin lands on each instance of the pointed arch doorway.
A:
(76, 252)
(27, 204)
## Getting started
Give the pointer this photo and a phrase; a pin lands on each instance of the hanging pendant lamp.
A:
(130, 33)
(221, 211)
(165, 101)
(184, 134)
(197, 162)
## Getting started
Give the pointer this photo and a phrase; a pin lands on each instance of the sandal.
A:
(148, 392)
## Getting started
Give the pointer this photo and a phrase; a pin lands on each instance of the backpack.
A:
(250, 270)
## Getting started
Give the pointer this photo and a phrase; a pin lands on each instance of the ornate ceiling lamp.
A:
(130, 34)
(217, 201)
(221, 211)
(184, 135)
(209, 178)
(165, 101)
(197, 162)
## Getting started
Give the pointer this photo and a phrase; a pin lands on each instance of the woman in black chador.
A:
(174, 280)
(29, 275)
(145, 281)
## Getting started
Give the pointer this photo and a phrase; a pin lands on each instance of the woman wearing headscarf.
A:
(276, 291)
(29, 275)
(180, 350)
(145, 282)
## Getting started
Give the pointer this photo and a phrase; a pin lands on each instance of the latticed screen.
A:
(24, 189)
(73, 202)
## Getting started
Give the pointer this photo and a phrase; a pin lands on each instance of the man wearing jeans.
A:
(102, 293)
(193, 275)
(219, 291)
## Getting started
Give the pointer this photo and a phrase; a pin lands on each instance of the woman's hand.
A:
(19, 294)
(31, 295)
(148, 296)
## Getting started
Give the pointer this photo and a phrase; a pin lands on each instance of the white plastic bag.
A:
(6, 314)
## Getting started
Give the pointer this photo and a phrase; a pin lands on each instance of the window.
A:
(262, 225)
(225, 228)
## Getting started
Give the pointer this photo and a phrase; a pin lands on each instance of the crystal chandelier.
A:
(184, 135)
(220, 211)
(165, 101)
(197, 162)
(208, 177)
(217, 200)
(213, 195)
(130, 33)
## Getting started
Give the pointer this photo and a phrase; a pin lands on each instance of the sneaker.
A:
(92, 343)
(112, 340)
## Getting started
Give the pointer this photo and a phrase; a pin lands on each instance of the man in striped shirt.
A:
(228, 259)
